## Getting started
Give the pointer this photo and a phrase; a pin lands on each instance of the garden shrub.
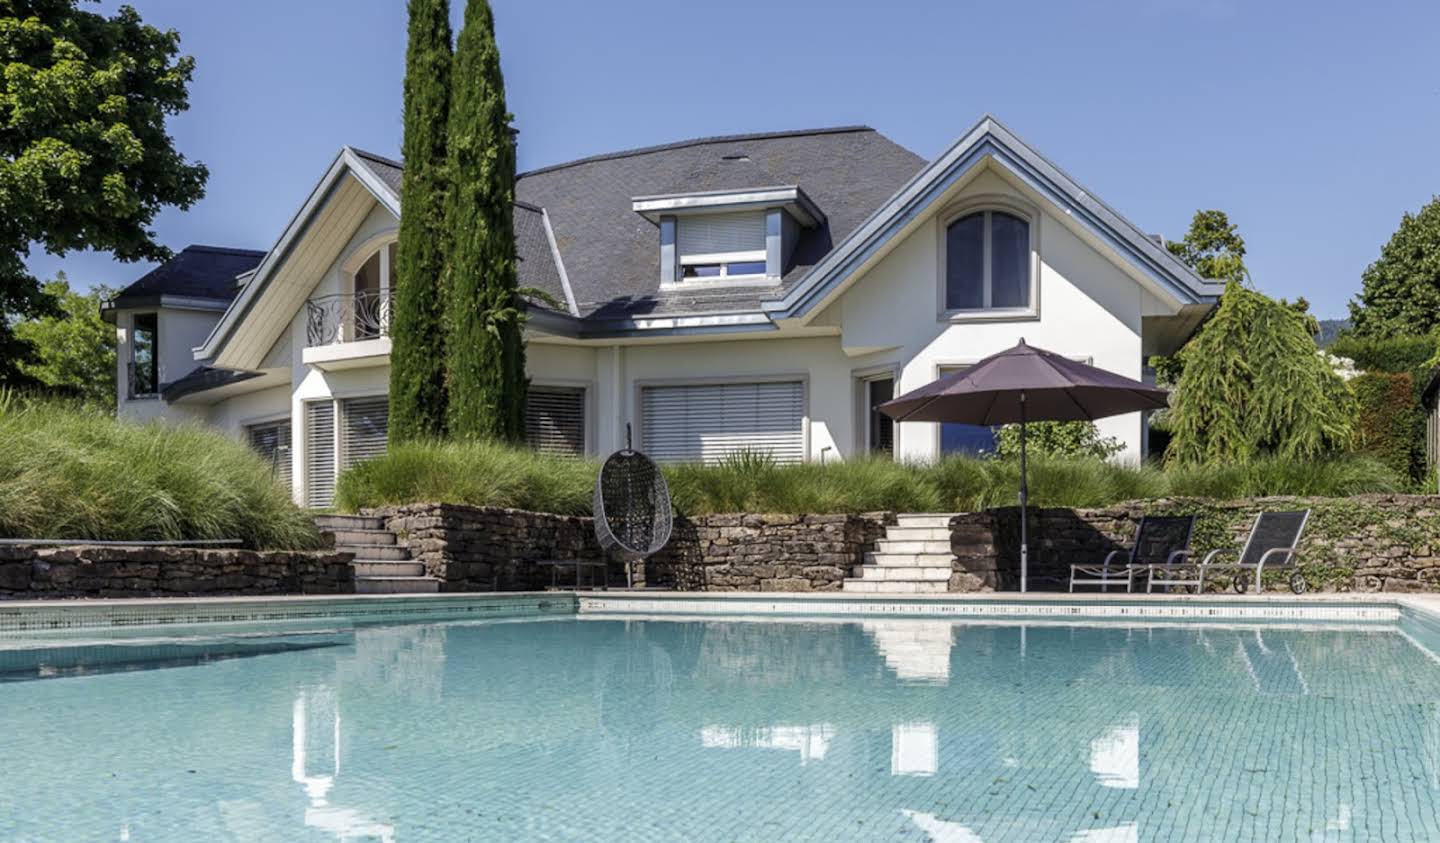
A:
(67, 472)
(1388, 354)
(1058, 439)
(1391, 423)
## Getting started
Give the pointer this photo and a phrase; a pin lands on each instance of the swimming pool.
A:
(633, 727)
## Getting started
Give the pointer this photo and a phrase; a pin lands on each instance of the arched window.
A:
(987, 262)
(373, 283)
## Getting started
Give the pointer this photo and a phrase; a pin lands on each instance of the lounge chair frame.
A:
(1109, 571)
(1285, 555)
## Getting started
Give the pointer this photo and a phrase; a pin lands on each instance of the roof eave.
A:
(346, 162)
(989, 139)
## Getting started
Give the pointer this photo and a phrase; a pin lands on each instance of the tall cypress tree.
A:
(483, 349)
(417, 356)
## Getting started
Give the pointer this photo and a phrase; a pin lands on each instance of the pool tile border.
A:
(1158, 608)
(60, 616)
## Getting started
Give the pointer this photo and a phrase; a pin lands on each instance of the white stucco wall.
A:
(1086, 308)
(178, 332)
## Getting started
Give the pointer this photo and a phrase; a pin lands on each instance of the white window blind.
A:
(709, 422)
(319, 453)
(272, 442)
(364, 426)
(714, 234)
(555, 419)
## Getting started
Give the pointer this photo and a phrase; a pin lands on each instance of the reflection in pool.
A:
(596, 729)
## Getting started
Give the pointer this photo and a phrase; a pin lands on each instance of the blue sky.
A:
(1315, 125)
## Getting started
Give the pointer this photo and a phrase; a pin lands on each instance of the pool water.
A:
(585, 728)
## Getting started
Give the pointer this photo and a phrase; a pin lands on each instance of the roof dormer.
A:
(728, 237)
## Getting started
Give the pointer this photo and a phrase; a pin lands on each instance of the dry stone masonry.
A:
(1366, 543)
(95, 571)
(478, 548)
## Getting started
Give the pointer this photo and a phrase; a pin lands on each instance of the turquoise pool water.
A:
(594, 729)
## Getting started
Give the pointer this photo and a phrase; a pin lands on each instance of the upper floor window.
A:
(144, 355)
(987, 262)
(721, 245)
(374, 286)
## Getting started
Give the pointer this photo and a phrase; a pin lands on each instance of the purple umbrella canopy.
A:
(1055, 388)
(1024, 384)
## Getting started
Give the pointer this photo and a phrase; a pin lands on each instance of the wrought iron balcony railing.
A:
(348, 317)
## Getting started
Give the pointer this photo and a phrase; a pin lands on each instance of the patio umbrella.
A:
(1020, 385)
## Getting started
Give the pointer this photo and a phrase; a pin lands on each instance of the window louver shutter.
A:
(719, 233)
(709, 422)
(365, 426)
(319, 453)
(555, 420)
(272, 442)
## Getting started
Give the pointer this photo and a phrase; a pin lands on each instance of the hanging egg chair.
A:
(632, 511)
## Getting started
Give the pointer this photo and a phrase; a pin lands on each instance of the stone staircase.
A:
(913, 558)
(382, 565)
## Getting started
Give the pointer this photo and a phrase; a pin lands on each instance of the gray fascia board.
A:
(629, 329)
(108, 308)
(294, 230)
(989, 138)
(790, 197)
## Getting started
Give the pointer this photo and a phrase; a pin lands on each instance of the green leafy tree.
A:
(74, 350)
(417, 359)
(484, 352)
(85, 158)
(1058, 439)
(1253, 383)
(1400, 292)
(1213, 248)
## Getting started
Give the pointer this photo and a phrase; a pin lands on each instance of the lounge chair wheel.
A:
(1240, 582)
(1298, 583)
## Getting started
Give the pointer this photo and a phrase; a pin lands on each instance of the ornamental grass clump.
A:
(67, 472)
(481, 473)
(494, 474)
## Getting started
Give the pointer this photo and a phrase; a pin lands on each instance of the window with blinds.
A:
(272, 442)
(710, 422)
(319, 453)
(364, 424)
(555, 419)
(721, 234)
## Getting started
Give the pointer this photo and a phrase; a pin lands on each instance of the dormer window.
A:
(727, 237)
(722, 245)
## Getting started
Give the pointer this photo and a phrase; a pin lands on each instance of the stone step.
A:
(349, 538)
(371, 568)
(890, 574)
(396, 585)
(376, 552)
(902, 534)
(910, 560)
(924, 519)
(888, 546)
(893, 587)
(332, 523)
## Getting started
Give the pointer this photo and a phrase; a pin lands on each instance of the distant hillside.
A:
(1330, 329)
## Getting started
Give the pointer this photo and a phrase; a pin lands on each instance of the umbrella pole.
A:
(1024, 498)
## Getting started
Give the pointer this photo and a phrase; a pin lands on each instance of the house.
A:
(759, 291)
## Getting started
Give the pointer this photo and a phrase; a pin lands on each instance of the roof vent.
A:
(741, 157)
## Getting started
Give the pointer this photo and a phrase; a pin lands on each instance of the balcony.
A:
(349, 330)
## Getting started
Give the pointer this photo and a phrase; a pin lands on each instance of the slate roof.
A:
(611, 254)
(205, 272)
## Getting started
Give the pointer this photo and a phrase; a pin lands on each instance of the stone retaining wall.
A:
(766, 552)
(1365, 543)
(473, 548)
(485, 548)
(97, 571)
